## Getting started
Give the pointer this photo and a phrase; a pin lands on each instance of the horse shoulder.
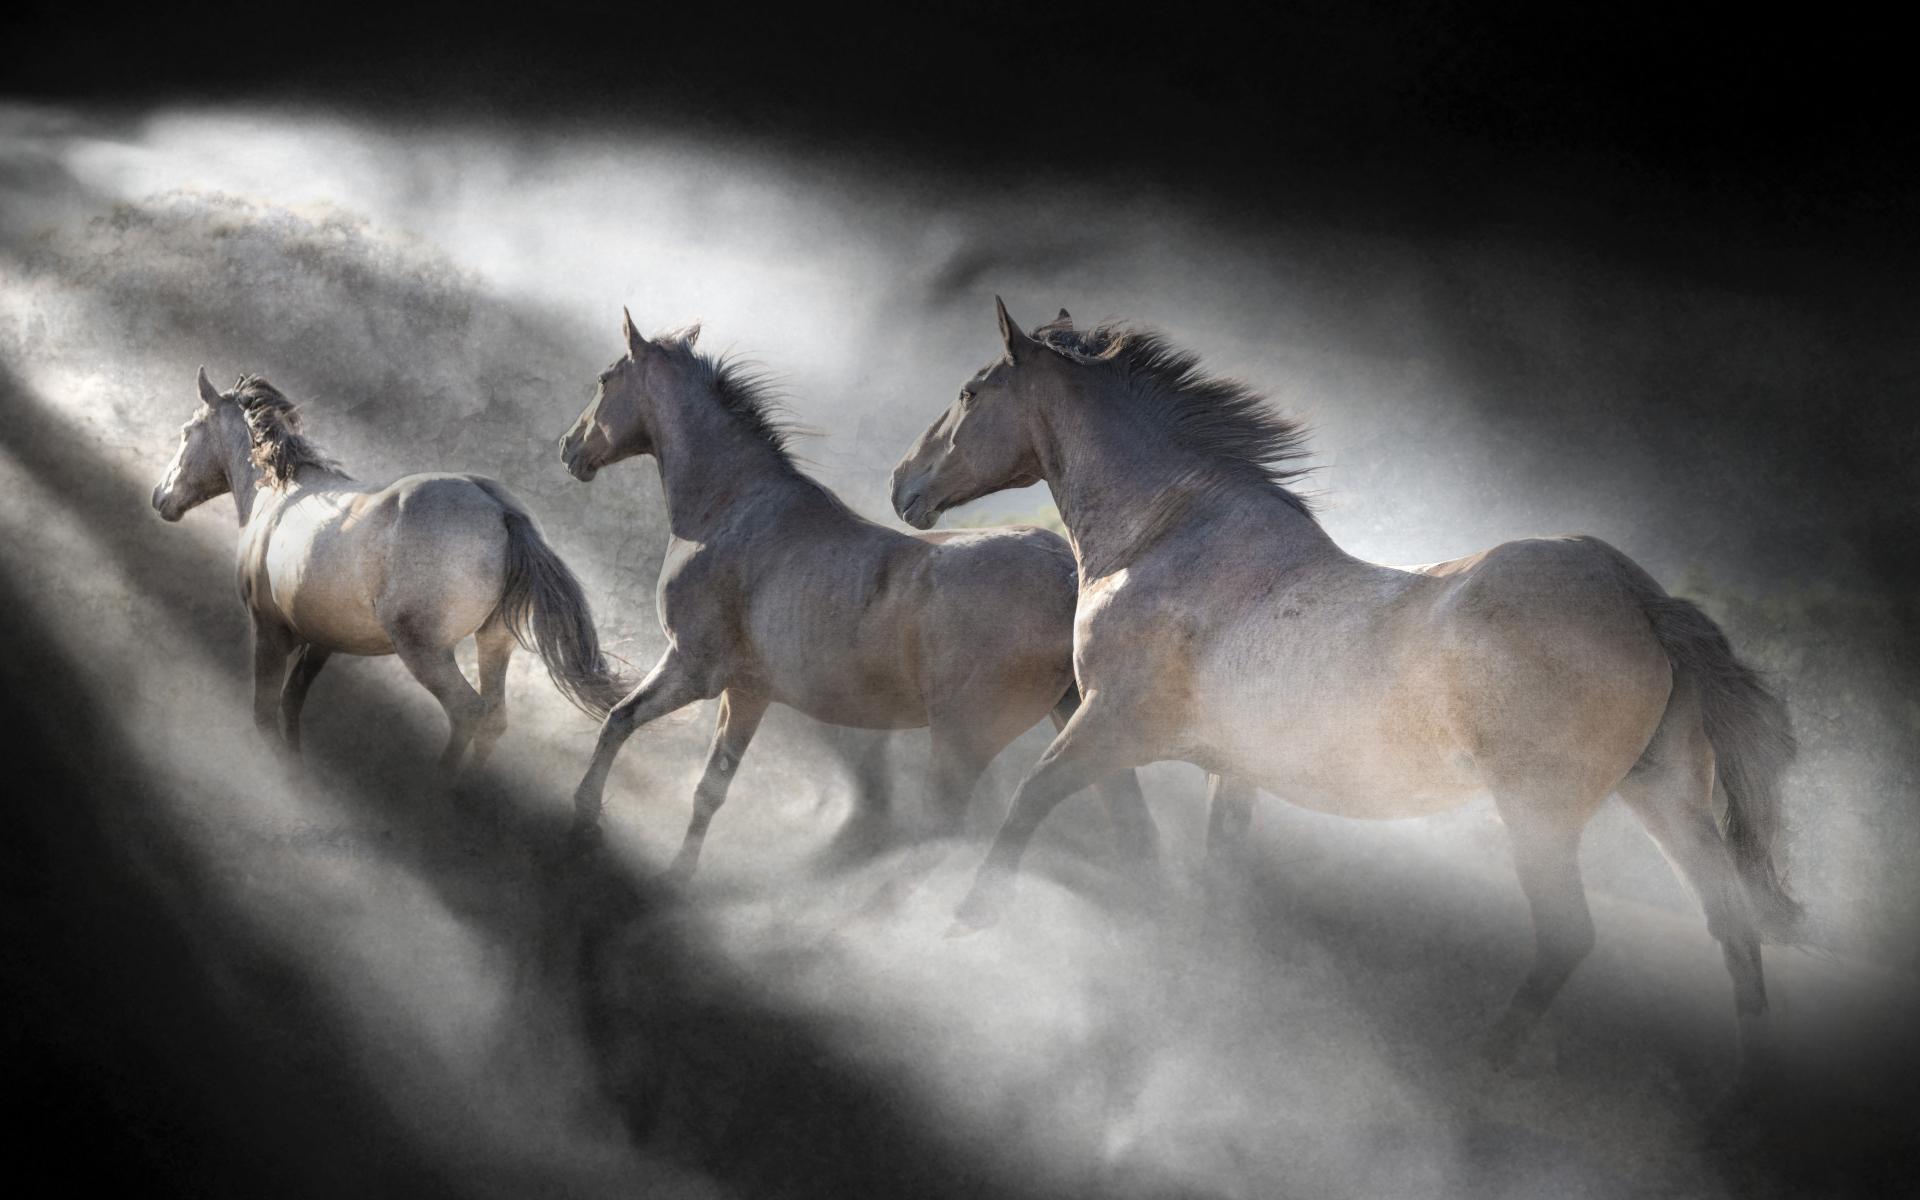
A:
(689, 577)
(256, 539)
(1131, 636)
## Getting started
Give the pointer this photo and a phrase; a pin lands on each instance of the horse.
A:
(330, 566)
(1218, 624)
(774, 591)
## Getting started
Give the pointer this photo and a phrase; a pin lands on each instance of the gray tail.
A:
(548, 612)
(1752, 744)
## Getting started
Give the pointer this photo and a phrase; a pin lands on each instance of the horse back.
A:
(1012, 588)
(857, 624)
(813, 610)
(343, 565)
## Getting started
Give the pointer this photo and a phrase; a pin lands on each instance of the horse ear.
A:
(1011, 335)
(209, 395)
(1063, 321)
(635, 343)
(692, 335)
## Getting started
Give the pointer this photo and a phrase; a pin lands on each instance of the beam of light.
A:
(1312, 1033)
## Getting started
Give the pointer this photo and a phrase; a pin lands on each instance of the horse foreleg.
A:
(1546, 846)
(739, 718)
(1083, 753)
(1229, 816)
(293, 698)
(669, 686)
(1135, 834)
(273, 644)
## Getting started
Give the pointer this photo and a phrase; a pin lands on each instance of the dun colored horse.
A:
(1218, 624)
(773, 591)
(328, 565)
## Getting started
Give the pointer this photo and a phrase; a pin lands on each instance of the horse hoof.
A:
(1752, 1087)
(975, 913)
(1500, 1050)
(584, 839)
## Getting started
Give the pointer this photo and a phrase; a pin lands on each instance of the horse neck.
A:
(1122, 488)
(243, 479)
(707, 461)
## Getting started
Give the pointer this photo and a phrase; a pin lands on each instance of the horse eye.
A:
(966, 397)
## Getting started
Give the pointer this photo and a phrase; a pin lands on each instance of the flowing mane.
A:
(279, 448)
(742, 392)
(1221, 420)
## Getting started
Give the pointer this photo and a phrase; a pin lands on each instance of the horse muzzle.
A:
(168, 512)
(574, 455)
(913, 506)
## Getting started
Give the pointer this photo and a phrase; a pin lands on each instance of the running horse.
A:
(774, 591)
(330, 566)
(1219, 624)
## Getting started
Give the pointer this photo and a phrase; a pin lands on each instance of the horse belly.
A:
(1371, 760)
(329, 610)
(1368, 791)
(872, 695)
(839, 652)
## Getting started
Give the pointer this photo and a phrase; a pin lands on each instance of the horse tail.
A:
(1752, 741)
(544, 606)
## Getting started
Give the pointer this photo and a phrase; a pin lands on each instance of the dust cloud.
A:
(476, 1016)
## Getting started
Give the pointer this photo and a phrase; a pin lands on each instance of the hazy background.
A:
(1670, 316)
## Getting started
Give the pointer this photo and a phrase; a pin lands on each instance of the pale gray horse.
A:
(328, 565)
(775, 591)
(1218, 624)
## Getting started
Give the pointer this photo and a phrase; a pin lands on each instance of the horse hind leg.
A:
(954, 767)
(1672, 794)
(869, 826)
(1546, 855)
(496, 643)
(434, 666)
(961, 751)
